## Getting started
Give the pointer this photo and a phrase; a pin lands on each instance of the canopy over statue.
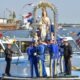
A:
(45, 23)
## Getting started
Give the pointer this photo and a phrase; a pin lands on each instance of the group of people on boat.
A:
(44, 42)
(37, 52)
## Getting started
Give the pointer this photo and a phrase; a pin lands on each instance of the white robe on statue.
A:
(44, 27)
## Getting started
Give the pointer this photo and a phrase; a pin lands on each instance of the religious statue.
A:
(44, 24)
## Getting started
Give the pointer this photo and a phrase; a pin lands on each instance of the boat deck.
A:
(48, 78)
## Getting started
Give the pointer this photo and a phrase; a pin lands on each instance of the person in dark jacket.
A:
(8, 58)
(67, 55)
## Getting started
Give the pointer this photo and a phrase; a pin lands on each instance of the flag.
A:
(30, 20)
(1, 35)
(28, 15)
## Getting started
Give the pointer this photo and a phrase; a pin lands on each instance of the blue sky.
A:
(68, 10)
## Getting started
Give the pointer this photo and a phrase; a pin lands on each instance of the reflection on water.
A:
(17, 69)
(76, 73)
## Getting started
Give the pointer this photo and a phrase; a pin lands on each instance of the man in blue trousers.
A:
(61, 50)
(55, 55)
(32, 56)
(51, 55)
(41, 52)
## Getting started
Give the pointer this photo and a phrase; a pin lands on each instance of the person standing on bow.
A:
(8, 59)
(67, 56)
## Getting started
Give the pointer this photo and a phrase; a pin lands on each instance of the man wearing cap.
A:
(8, 58)
(67, 49)
(32, 56)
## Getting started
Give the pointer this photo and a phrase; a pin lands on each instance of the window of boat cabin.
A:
(16, 50)
(24, 45)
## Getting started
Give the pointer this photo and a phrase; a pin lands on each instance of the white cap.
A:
(65, 39)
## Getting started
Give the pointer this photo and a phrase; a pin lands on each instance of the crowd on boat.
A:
(44, 42)
(37, 53)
